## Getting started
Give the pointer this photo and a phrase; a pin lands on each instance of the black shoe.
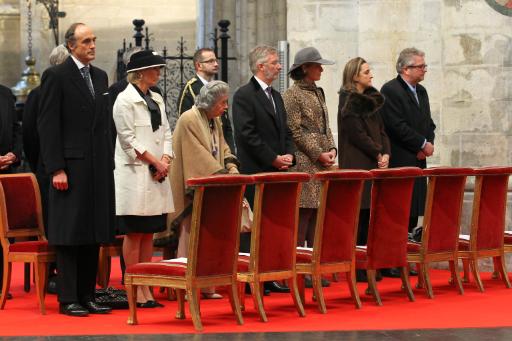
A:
(9, 295)
(266, 292)
(276, 287)
(150, 304)
(413, 272)
(51, 288)
(391, 272)
(95, 308)
(73, 309)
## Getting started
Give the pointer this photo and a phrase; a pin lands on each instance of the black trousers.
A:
(77, 266)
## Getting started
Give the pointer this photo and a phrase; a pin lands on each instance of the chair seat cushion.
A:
(172, 267)
(361, 257)
(304, 255)
(30, 246)
(508, 237)
(243, 262)
(413, 247)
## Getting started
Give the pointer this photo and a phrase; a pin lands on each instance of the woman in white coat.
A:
(142, 157)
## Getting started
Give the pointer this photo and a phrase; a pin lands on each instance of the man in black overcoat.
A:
(206, 66)
(263, 139)
(10, 142)
(409, 125)
(76, 149)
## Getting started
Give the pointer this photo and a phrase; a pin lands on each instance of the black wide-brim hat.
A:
(308, 55)
(144, 60)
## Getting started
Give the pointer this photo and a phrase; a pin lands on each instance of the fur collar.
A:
(365, 104)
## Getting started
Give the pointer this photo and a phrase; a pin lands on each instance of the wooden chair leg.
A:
(426, 277)
(193, 303)
(295, 296)
(301, 287)
(241, 295)
(335, 277)
(496, 272)
(465, 266)
(103, 260)
(473, 263)
(372, 284)
(180, 298)
(131, 293)
(351, 280)
(233, 299)
(257, 295)
(421, 280)
(455, 276)
(404, 273)
(502, 269)
(6, 281)
(316, 279)
(39, 275)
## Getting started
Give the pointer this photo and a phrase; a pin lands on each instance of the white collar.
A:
(263, 85)
(204, 81)
(135, 96)
(78, 63)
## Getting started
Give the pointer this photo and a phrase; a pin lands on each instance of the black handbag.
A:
(111, 297)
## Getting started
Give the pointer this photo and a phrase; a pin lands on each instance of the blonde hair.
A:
(352, 69)
(134, 77)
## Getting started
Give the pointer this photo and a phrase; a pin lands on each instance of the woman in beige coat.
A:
(309, 122)
(200, 150)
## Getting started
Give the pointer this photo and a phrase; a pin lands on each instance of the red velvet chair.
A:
(21, 217)
(389, 220)
(273, 236)
(335, 233)
(441, 224)
(213, 249)
(487, 223)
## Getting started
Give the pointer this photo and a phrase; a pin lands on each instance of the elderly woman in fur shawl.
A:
(362, 140)
(200, 150)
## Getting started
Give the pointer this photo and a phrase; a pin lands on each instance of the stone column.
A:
(10, 69)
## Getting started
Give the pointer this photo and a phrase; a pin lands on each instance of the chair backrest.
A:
(215, 227)
(489, 207)
(20, 207)
(443, 208)
(389, 216)
(338, 214)
(276, 213)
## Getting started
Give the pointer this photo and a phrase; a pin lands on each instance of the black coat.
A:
(10, 128)
(186, 100)
(74, 130)
(30, 134)
(408, 124)
(260, 136)
(361, 133)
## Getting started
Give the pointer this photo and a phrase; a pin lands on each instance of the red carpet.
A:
(21, 315)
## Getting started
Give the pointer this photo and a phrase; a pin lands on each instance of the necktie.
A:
(268, 91)
(87, 77)
(416, 95)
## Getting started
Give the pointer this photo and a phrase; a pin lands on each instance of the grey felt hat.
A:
(308, 55)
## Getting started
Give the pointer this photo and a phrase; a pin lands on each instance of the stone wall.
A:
(468, 48)
(10, 68)
(111, 21)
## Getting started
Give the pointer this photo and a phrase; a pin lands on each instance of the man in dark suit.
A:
(409, 125)
(76, 150)
(10, 143)
(264, 141)
(207, 66)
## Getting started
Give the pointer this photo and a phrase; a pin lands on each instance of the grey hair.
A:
(58, 55)
(406, 56)
(210, 94)
(259, 55)
(129, 51)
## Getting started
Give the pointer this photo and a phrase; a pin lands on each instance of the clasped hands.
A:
(161, 167)
(7, 160)
(428, 150)
(327, 159)
(383, 160)
(283, 162)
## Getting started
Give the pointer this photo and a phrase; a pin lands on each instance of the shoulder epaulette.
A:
(188, 87)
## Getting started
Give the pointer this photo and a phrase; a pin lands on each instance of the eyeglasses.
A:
(209, 61)
(421, 66)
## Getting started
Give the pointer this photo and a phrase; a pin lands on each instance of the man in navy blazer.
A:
(263, 140)
(76, 149)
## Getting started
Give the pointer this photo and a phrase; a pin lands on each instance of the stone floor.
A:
(476, 334)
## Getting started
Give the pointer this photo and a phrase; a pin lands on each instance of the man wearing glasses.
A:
(207, 66)
(409, 125)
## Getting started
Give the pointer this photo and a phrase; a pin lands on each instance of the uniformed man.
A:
(207, 66)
